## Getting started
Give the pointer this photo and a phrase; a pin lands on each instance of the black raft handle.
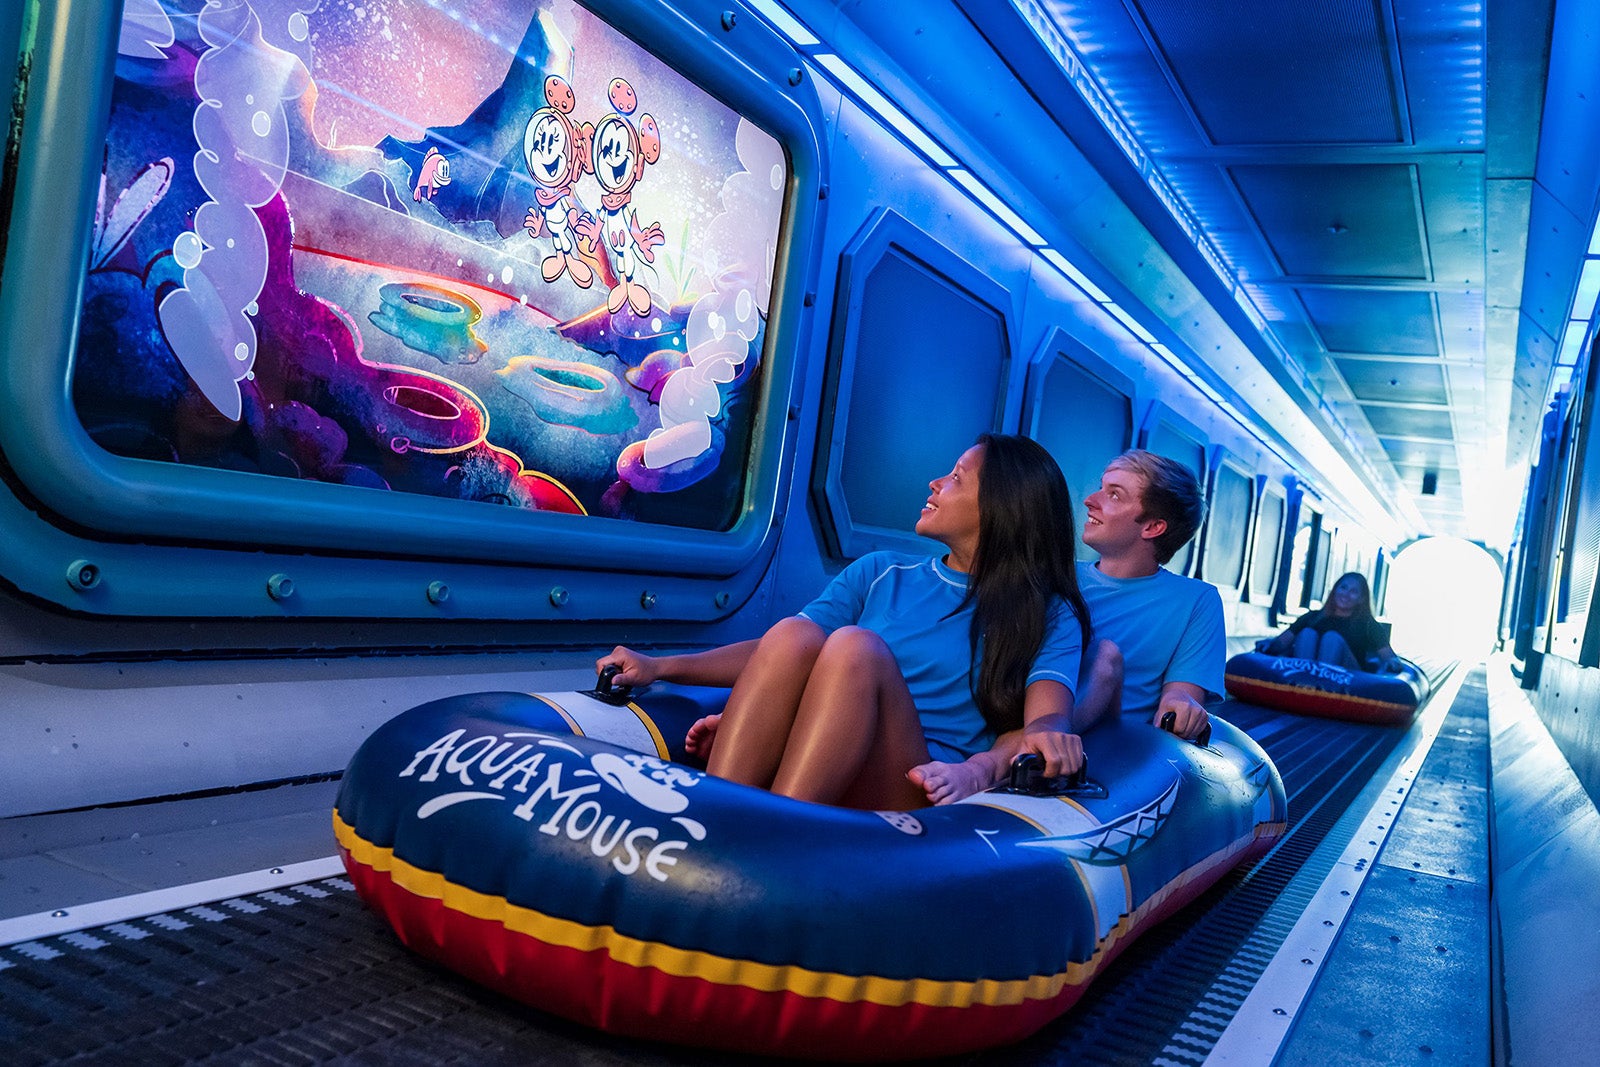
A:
(1169, 723)
(1028, 778)
(616, 695)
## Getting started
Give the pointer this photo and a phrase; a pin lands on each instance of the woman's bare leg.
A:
(754, 730)
(1305, 643)
(856, 733)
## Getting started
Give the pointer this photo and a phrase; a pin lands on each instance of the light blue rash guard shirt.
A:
(905, 600)
(1168, 627)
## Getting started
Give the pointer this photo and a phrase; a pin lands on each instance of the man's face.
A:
(1113, 520)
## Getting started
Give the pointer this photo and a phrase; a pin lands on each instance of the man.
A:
(1166, 630)
(1159, 643)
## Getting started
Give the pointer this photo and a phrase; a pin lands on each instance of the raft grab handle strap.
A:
(1028, 778)
(1169, 723)
(617, 696)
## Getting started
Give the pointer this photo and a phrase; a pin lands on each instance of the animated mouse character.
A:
(557, 153)
(620, 150)
(435, 172)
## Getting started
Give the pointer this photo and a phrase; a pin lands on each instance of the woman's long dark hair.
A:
(1024, 561)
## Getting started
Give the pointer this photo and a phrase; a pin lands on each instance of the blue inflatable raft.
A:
(550, 847)
(1306, 687)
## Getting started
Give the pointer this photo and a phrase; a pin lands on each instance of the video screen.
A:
(494, 252)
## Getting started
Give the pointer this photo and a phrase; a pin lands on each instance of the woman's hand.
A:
(1062, 752)
(633, 668)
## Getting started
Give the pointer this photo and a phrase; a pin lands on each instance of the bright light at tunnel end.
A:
(1443, 598)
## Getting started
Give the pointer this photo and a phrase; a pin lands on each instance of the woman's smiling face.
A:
(1346, 596)
(951, 512)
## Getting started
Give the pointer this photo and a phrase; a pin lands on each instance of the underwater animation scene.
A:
(509, 258)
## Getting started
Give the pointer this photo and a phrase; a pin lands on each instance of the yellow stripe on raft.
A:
(1306, 690)
(749, 974)
(572, 724)
(655, 732)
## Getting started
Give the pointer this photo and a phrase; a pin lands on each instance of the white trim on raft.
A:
(1063, 820)
(596, 719)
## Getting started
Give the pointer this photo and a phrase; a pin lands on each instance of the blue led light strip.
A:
(851, 82)
(1072, 65)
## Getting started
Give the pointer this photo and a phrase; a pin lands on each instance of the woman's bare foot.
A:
(946, 783)
(701, 736)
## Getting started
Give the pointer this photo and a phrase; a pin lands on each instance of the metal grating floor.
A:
(306, 975)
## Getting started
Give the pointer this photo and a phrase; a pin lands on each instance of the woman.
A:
(1343, 633)
(909, 665)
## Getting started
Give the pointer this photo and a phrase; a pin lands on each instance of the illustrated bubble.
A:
(655, 325)
(261, 123)
(777, 175)
(506, 276)
(299, 29)
(743, 305)
(188, 249)
(252, 308)
(241, 351)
